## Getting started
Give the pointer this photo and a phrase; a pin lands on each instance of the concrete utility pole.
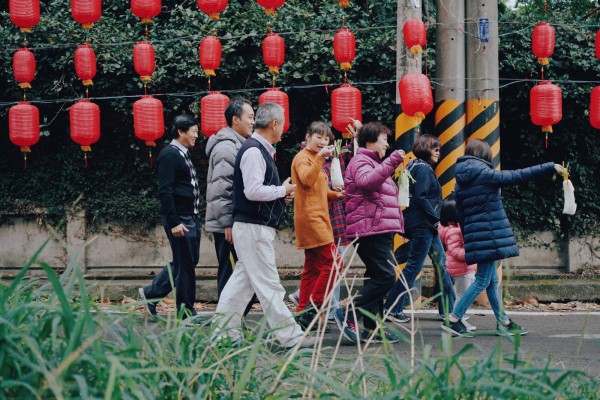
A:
(483, 106)
(450, 117)
(406, 131)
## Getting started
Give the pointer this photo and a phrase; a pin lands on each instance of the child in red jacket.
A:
(462, 274)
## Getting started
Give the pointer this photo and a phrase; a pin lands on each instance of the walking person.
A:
(179, 196)
(312, 224)
(421, 221)
(373, 217)
(486, 230)
(222, 149)
(259, 199)
(462, 274)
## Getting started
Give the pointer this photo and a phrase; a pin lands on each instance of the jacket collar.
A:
(369, 153)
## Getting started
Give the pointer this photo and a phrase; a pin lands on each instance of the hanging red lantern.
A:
(273, 50)
(344, 48)
(212, 113)
(545, 103)
(144, 61)
(346, 105)
(86, 12)
(212, 7)
(595, 108)
(146, 9)
(85, 64)
(24, 126)
(416, 98)
(270, 5)
(598, 45)
(148, 120)
(24, 67)
(542, 42)
(210, 55)
(24, 13)
(85, 124)
(274, 95)
(415, 35)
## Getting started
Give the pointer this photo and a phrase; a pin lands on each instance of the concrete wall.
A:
(122, 250)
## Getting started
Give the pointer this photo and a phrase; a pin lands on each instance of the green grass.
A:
(56, 343)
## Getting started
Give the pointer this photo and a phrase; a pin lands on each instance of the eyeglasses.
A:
(437, 150)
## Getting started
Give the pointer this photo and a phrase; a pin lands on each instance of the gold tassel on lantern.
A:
(274, 70)
(419, 116)
(87, 26)
(25, 149)
(146, 20)
(209, 72)
(543, 61)
(416, 49)
(25, 85)
(547, 129)
(344, 3)
(270, 11)
(86, 148)
(150, 143)
(26, 30)
(88, 82)
(214, 16)
(346, 66)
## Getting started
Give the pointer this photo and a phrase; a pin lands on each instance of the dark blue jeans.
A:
(423, 242)
(186, 253)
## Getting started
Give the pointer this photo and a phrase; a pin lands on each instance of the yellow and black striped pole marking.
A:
(483, 122)
(450, 121)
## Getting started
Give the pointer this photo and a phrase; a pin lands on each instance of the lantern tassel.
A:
(145, 78)
(87, 82)
(416, 49)
(87, 26)
(346, 66)
(343, 3)
(214, 16)
(274, 70)
(419, 117)
(24, 160)
(150, 154)
(25, 150)
(150, 143)
(25, 85)
(146, 20)
(85, 161)
(547, 129)
(270, 11)
(26, 30)
(543, 61)
(209, 72)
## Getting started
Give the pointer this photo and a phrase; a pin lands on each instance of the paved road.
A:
(571, 340)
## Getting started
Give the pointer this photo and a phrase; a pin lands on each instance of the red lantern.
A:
(273, 49)
(24, 125)
(274, 95)
(344, 48)
(346, 105)
(545, 103)
(148, 120)
(595, 108)
(416, 98)
(270, 5)
(24, 67)
(144, 61)
(146, 9)
(210, 55)
(212, 7)
(212, 112)
(85, 124)
(85, 64)
(598, 45)
(415, 35)
(24, 13)
(86, 12)
(542, 41)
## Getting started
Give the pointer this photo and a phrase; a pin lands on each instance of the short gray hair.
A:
(267, 113)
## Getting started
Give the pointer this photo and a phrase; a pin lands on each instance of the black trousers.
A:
(227, 257)
(186, 253)
(376, 252)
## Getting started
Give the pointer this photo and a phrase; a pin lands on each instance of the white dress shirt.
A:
(253, 167)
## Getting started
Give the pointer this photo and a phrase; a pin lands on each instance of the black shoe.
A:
(347, 325)
(397, 317)
(365, 335)
(150, 306)
(307, 317)
(456, 328)
(511, 329)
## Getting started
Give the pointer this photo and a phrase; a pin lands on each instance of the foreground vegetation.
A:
(56, 343)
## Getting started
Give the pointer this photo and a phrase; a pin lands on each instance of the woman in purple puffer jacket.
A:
(372, 217)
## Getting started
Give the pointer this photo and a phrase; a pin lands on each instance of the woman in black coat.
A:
(485, 228)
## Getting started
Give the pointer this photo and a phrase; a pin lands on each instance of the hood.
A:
(224, 134)
(467, 168)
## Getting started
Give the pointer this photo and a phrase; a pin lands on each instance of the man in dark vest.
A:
(259, 199)
(179, 195)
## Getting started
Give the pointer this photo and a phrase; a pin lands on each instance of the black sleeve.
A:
(166, 187)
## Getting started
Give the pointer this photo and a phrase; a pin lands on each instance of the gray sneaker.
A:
(294, 298)
(306, 342)
(456, 328)
(149, 306)
(511, 329)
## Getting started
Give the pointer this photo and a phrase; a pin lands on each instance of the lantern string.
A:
(85, 160)
(24, 160)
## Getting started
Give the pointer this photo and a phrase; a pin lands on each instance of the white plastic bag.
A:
(569, 194)
(403, 188)
(336, 173)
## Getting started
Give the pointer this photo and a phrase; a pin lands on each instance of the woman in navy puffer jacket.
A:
(485, 227)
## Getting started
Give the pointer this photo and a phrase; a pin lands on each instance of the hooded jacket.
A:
(425, 198)
(485, 227)
(372, 195)
(455, 250)
(221, 149)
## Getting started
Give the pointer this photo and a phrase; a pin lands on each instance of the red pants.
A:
(316, 282)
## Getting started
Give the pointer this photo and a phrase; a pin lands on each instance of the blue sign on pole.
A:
(484, 30)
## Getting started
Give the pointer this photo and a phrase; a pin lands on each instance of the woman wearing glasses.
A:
(421, 220)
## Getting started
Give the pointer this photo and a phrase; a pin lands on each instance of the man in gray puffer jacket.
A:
(222, 149)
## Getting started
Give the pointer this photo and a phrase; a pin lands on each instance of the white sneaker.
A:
(294, 298)
(469, 327)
